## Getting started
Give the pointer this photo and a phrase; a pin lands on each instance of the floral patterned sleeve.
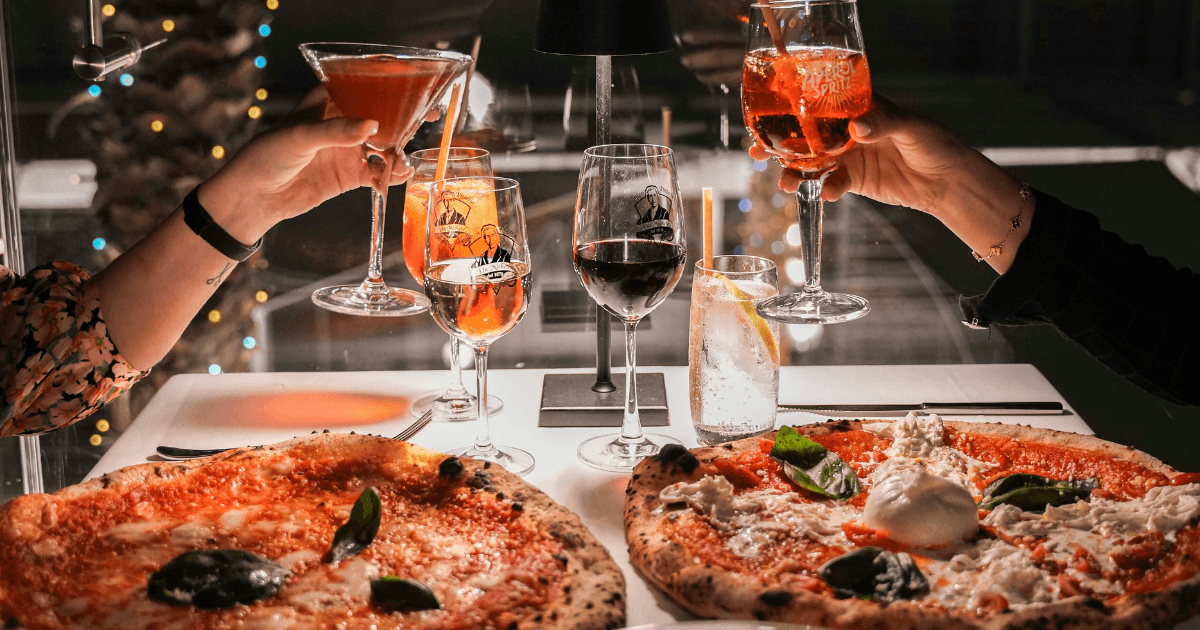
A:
(57, 364)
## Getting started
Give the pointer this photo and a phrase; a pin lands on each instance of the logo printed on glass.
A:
(654, 216)
(452, 216)
(493, 256)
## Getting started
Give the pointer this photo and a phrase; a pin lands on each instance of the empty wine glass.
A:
(629, 253)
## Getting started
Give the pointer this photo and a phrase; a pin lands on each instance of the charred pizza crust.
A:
(592, 593)
(711, 591)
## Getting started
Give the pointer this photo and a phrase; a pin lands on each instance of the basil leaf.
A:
(402, 595)
(360, 530)
(1032, 493)
(216, 578)
(813, 467)
(874, 573)
(796, 449)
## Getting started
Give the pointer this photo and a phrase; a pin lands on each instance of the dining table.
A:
(245, 409)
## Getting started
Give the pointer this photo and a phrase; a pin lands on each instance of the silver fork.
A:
(176, 453)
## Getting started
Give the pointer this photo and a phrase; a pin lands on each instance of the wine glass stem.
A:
(456, 389)
(811, 215)
(631, 423)
(483, 439)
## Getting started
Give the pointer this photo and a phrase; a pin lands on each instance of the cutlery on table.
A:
(176, 453)
(1027, 408)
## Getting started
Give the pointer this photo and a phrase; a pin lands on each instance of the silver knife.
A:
(1026, 408)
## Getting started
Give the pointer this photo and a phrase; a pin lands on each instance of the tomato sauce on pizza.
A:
(490, 550)
(1118, 526)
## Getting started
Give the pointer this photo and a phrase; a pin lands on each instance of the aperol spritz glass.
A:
(456, 403)
(805, 76)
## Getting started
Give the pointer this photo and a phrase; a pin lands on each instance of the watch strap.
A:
(202, 223)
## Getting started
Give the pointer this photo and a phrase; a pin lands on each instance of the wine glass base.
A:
(451, 409)
(814, 308)
(514, 460)
(609, 452)
(352, 299)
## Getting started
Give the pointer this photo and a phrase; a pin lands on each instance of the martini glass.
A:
(396, 86)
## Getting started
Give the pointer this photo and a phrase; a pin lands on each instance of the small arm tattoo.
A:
(216, 280)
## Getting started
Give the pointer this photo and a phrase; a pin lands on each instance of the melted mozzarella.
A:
(916, 508)
(990, 567)
(756, 518)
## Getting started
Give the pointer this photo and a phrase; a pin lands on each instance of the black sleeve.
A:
(1131, 311)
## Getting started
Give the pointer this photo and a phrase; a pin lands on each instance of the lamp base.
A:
(568, 401)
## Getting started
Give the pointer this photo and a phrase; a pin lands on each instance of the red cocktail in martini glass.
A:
(396, 86)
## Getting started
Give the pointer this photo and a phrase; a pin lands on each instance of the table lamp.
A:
(601, 29)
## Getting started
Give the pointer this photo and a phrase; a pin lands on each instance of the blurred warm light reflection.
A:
(304, 410)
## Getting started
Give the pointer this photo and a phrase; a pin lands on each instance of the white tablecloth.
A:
(228, 410)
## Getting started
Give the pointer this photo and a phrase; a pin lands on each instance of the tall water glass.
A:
(733, 352)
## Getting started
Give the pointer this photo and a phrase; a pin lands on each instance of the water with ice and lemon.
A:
(733, 359)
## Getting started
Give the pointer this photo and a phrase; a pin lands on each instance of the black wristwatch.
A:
(201, 222)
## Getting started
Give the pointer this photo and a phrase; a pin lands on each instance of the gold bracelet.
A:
(1015, 222)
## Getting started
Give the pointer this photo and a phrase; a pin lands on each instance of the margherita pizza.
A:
(326, 531)
(920, 523)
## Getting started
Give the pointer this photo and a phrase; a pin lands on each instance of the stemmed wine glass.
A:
(804, 77)
(456, 403)
(629, 253)
(477, 277)
(395, 86)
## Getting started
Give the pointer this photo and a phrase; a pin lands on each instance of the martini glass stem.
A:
(483, 439)
(631, 422)
(811, 216)
(382, 165)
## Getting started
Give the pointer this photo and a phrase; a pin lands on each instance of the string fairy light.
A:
(272, 4)
(261, 94)
(102, 425)
(261, 297)
(156, 125)
(218, 151)
(214, 316)
(168, 25)
(254, 112)
(108, 10)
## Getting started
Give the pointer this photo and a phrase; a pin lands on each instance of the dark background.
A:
(1033, 73)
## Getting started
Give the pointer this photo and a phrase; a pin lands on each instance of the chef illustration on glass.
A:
(654, 215)
(493, 261)
(451, 223)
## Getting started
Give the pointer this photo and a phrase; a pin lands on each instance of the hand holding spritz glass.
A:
(477, 278)
(804, 77)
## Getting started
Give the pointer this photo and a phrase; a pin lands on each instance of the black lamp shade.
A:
(604, 27)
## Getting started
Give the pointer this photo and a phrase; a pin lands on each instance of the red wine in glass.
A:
(629, 277)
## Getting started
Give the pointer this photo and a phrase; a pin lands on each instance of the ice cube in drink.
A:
(733, 358)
